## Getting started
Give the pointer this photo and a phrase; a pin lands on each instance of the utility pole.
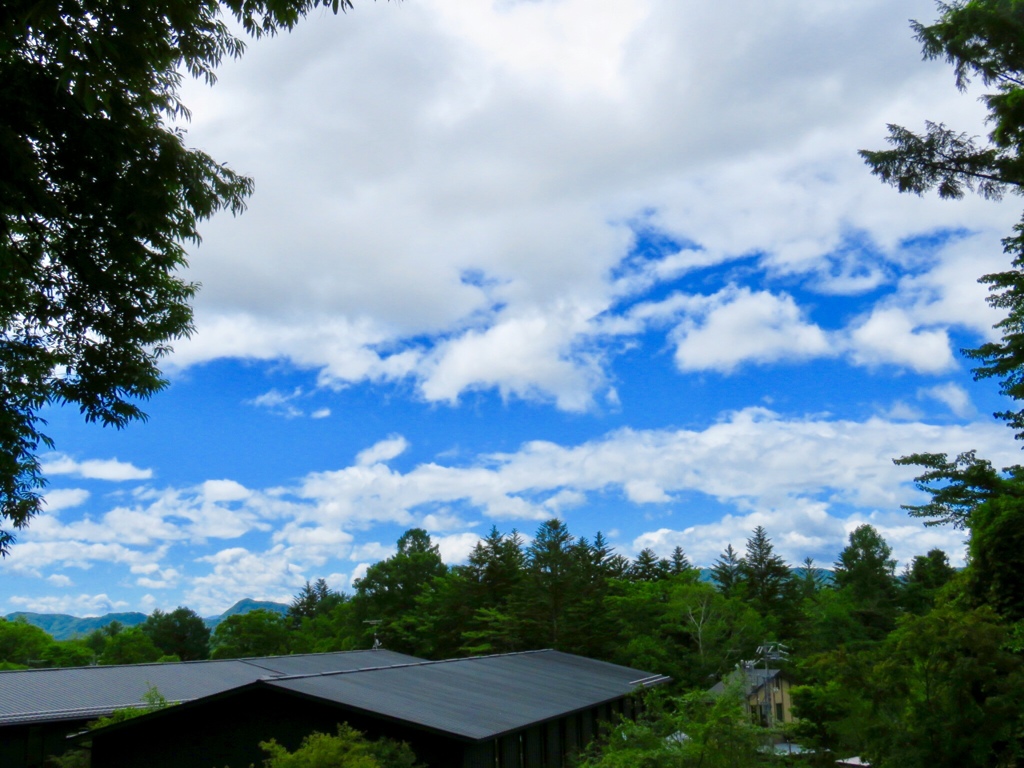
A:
(376, 640)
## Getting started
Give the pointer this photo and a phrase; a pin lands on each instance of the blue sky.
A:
(514, 260)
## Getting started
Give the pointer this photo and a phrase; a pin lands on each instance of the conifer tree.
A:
(679, 563)
(767, 580)
(726, 572)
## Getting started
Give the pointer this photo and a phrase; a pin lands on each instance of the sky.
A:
(617, 263)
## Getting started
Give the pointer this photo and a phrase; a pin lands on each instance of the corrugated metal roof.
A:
(73, 693)
(477, 698)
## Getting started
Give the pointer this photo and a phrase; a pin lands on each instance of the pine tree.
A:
(647, 567)
(726, 572)
(767, 580)
(679, 563)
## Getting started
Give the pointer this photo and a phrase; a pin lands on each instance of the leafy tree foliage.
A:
(866, 571)
(692, 731)
(348, 748)
(256, 633)
(922, 580)
(996, 575)
(955, 488)
(313, 600)
(389, 590)
(942, 690)
(20, 642)
(130, 646)
(181, 633)
(100, 193)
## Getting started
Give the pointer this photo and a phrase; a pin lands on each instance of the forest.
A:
(912, 668)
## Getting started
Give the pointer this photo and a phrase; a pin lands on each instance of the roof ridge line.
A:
(250, 660)
(428, 662)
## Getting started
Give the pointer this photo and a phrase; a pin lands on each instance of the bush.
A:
(348, 749)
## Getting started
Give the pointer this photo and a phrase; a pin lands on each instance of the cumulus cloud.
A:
(523, 147)
(738, 326)
(808, 480)
(889, 336)
(238, 573)
(93, 469)
(57, 499)
(77, 605)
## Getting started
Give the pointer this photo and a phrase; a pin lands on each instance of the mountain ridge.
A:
(62, 626)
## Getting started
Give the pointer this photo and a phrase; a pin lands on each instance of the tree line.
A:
(888, 663)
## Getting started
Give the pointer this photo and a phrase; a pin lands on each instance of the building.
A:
(528, 710)
(39, 708)
(766, 693)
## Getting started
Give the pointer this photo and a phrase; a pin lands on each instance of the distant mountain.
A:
(244, 606)
(64, 627)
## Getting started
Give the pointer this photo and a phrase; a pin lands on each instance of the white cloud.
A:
(93, 469)
(807, 480)
(515, 142)
(383, 451)
(456, 547)
(528, 356)
(279, 402)
(953, 396)
(737, 325)
(239, 573)
(888, 336)
(57, 499)
(77, 605)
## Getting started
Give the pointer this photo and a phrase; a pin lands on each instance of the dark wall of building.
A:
(226, 732)
(28, 746)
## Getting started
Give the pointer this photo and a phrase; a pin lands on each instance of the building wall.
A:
(226, 733)
(777, 698)
(28, 746)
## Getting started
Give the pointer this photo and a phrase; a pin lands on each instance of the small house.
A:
(766, 693)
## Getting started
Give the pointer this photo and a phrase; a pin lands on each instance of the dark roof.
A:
(476, 698)
(80, 693)
(750, 680)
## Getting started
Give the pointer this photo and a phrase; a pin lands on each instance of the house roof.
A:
(479, 697)
(472, 698)
(750, 679)
(81, 693)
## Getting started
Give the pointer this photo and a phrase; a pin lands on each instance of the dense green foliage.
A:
(181, 633)
(346, 749)
(691, 731)
(256, 633)
(99, 195)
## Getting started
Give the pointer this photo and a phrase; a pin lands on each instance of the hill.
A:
(244, 606)
(63, 627)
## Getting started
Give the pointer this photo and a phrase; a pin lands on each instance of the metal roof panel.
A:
(480, 697)
(76, 693)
